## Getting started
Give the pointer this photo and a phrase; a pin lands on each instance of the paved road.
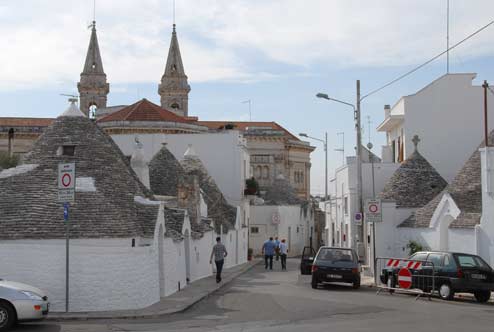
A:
(275, 301)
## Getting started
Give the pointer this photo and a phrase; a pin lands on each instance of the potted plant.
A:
(251, 186)
(250, 252)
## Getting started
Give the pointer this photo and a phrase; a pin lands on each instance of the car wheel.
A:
(7, 316)
(356, 284)
(446, 292)
(314, 283)
(482, 296)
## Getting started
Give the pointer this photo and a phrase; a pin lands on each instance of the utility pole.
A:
(358, 129)
(486, 130)
(326, 167)
(342, 149)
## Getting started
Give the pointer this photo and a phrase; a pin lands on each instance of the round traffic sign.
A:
(66, 180)
(405, 278)
(373, 208)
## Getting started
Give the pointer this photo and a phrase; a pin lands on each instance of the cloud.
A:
(227, 40)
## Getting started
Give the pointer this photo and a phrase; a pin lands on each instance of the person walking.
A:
(219, 253)
(268, 251)
(283, 253)
(277, 248)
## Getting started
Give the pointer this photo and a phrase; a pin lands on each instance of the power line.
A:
(428, 61)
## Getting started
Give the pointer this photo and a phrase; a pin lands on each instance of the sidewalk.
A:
(178, 302)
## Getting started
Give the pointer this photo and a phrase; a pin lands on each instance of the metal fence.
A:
(403, 275)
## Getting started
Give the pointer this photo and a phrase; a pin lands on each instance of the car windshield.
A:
(471, 261)
(335, 255)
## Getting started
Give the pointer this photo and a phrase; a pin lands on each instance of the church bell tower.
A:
(174, 88)
(93, 88)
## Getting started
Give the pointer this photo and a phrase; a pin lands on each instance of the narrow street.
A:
(276, 300)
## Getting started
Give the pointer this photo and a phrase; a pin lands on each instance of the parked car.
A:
(308, 255)
(336, 265)
(453, 272)
(21, 303)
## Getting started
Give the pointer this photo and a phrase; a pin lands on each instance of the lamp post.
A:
(356, 116)
(325, 143)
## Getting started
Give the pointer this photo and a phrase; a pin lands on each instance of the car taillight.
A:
(37, 307)
(314, 268)
(459, 273)
(355, 270)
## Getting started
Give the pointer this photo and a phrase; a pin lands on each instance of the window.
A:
(254, 230)
(175, 106)
(345, 205)
(449, 263)
(92, 111)
(265, 172)
(420, 256)
(68, 150)
(471, 261)
(436, 260)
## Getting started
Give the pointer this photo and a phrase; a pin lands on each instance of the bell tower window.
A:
(175, 106)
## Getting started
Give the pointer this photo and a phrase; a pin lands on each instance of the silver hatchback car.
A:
(21, 303)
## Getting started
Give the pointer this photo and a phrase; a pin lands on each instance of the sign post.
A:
(66, 195)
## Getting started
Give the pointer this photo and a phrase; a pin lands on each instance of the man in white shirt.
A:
(283, 253)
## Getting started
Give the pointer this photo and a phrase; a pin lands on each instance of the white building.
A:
(450, 104)
(341, 227)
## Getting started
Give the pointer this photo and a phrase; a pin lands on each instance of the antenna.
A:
(73, 98)
(250, 113)
(173, 12)
(447, 36)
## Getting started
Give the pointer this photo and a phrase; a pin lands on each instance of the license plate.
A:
(479, 276)
(334, 276)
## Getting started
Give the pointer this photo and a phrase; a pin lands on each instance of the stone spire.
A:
(93, 88)
(174, 88)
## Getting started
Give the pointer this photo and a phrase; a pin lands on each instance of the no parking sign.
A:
(373, 210)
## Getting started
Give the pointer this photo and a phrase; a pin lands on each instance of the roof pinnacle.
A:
(416, 141)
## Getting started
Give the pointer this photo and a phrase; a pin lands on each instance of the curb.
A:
(133, 314)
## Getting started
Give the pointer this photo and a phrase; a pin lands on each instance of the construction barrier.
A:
(405, 276)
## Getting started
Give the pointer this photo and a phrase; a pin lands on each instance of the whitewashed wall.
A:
(294, 227)
(105, 274)
(200, 252)
(451, 104)
(174, 256)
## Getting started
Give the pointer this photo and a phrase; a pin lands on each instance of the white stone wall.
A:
(174, 257)
(451, 104)
(105, 274)
(200, 252)
(294, 227)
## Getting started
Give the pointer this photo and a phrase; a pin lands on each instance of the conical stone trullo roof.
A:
(281, 192)
(164, 172)
(222, 213)
(110, 201)
(466, 191)
(414, 183)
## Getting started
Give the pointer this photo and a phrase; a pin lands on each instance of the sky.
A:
(277, 53)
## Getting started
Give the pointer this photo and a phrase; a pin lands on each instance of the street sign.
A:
(358, 219)
(405, 278)
(66, 182)
(65, 211)
(373, 210)
(275, 219)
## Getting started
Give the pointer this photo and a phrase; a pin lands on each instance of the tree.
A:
(7, 161)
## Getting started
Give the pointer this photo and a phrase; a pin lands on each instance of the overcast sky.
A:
(278, 53)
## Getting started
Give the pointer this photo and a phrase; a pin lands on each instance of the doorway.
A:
(187, 255)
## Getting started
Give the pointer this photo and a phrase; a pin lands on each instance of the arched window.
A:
(92, 111)
(265, 172)
(175, 106)
(257, 173)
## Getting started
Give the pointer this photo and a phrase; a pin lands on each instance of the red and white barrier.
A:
(414, 265)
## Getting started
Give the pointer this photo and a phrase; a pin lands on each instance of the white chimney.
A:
(387, 111)
(139, 164)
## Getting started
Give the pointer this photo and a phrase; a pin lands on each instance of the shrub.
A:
(7, 161)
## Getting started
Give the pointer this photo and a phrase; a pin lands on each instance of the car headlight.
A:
(32, 296)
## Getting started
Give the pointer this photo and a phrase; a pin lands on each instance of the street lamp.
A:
(356, 116)
(325, 143)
